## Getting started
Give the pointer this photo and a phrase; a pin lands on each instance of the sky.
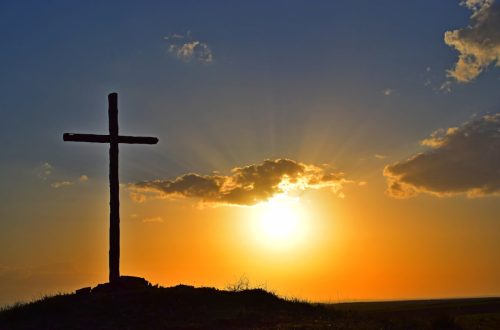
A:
(325, 150)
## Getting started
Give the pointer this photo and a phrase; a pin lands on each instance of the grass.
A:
(142, 306)
(160, 308)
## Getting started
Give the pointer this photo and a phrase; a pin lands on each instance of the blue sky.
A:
(292, 61)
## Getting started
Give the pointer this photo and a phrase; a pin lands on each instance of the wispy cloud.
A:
(461, 160)
(478, 44)
(185, 48)
(66, 183)
(61, 184)
(44, 171)
(248, 185)
(153, 220)
(388, 92)
(47, 173)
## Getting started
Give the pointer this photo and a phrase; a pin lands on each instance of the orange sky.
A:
(363, 246)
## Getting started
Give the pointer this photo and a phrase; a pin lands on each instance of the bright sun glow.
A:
(280, 221)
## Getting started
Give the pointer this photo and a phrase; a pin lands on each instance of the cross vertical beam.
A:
(114, 191)
(114, 185)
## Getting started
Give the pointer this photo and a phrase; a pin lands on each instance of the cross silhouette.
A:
(114, 189)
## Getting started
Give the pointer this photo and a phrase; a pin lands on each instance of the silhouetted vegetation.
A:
(135, 304)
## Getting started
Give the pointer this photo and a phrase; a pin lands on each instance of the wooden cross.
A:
(114, 189)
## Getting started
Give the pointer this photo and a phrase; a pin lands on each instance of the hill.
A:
(136, 304)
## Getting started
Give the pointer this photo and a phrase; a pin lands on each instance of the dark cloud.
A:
(247, 185)
(463, 159)
(478, 44)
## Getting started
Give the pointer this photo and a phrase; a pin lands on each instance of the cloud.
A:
(461, 160)
(60, 184)
(379, 156)
(247, 185)
(66, 183)
(153, 220)
(388, 92)
(433, 80)
(185, 48)
(438, 137)
(44, 171)
(478, 44)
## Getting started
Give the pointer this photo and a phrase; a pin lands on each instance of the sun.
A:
(280, 221)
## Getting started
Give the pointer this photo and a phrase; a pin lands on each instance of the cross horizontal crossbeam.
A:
(114, 139)
(104, 138)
